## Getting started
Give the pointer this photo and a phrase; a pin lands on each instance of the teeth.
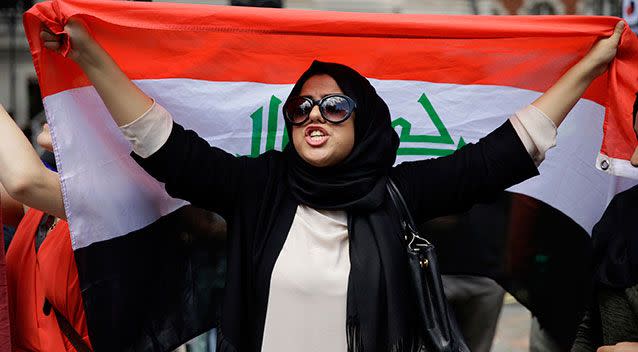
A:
(316, 134)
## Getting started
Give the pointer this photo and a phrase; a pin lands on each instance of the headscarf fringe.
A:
(355, 344)
(412, 344)
(353, 335)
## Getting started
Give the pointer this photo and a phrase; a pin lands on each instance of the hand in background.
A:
(620, 347)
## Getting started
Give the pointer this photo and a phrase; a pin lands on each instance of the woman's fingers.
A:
(55, 46)
(610, 44)
(612, 41)
(48, 36)
(50, 40)
(76, 32)
(600, 55)
(620, 26)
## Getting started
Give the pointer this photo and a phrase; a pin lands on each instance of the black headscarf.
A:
(379, 310)
(355, 182)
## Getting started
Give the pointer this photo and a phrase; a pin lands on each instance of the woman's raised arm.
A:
(564, 94)
(558, 101)
(189, 167)
(479, 171)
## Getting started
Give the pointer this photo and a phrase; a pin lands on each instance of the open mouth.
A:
(316, 136)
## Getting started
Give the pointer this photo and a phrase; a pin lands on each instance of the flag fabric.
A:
(225, 71)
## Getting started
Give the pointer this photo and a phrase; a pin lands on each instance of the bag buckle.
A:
(416, 242)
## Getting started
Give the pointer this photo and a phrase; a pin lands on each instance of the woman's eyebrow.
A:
(331, 93)
(320, 97)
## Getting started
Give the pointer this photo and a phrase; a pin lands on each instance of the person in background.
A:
(611, 322)
(42, 277)
(12, 212)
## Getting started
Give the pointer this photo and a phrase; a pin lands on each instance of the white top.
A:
(307, 301)
(308, 287)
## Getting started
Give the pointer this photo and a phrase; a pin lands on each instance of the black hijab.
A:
(379, 311)
(354, 183)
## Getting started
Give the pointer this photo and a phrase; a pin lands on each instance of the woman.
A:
(315, 262)
(41, 274)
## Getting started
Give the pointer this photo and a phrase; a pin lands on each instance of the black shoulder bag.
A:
(441, 331)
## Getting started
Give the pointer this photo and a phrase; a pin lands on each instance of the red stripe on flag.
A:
(220, 43)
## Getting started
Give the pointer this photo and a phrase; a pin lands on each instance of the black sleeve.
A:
(474, 173)
(191, 169)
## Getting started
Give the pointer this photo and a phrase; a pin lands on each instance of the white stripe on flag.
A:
(108, 195)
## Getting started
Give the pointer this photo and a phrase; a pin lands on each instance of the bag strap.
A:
(407, 222)
(67, 329)
(395, 195)
(46, 223)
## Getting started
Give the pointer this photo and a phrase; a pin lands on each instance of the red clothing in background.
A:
(5, 331)
(50, 273)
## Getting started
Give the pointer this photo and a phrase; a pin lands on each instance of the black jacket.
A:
(253, 197)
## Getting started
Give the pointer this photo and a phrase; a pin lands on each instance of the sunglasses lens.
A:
(297, 110)
(336, 108)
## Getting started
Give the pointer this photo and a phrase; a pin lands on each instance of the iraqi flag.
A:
(224, 72)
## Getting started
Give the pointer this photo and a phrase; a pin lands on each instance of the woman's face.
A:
(318, 142)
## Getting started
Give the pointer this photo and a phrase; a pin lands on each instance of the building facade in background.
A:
(18, 87)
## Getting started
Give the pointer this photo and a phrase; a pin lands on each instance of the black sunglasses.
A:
(334, 108)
